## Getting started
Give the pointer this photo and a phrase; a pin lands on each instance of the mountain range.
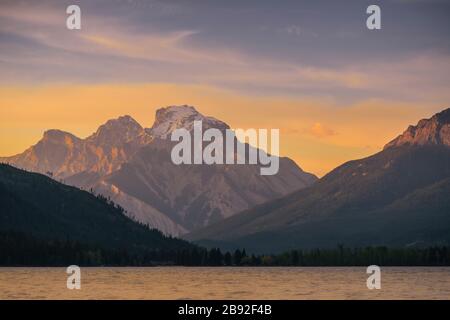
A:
(132, 166)
(397, 197)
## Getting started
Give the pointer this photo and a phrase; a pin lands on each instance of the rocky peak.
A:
(117, 131)
(174, 117)
(435, 130)
(58, 136)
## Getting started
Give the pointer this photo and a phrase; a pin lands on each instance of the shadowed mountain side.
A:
(361, 202)
(419, 219)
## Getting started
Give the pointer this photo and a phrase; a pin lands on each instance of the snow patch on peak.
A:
(177, 111)
(174, 117)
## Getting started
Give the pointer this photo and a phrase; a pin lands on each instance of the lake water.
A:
(225, 283)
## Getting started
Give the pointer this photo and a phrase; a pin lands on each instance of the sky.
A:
(336, 90)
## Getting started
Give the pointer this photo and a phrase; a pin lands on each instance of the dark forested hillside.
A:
(40, 207)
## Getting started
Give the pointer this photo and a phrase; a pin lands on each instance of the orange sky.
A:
(316, 133)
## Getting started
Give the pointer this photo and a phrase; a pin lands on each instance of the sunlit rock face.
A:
(433, 131)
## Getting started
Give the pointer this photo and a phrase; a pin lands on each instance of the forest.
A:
(17, 249)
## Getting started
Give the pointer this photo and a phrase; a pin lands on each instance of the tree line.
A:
(18, 249)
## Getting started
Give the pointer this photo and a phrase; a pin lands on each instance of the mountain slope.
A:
(398, 224)
(36, 205)
(197, 195)
(355, 203)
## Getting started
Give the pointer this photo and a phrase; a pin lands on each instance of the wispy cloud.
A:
(37, 47)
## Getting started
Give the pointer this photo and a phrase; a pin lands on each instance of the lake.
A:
(226, 283)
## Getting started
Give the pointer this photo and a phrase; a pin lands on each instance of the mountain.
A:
(397, 197)
(194, 196)
(433, 131)
(197, 195)
(132, 166)
(40, 207)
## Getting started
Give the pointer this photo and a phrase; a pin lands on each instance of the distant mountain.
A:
(62, 154)
(399, 196)
(133, 167)
(40, 207)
